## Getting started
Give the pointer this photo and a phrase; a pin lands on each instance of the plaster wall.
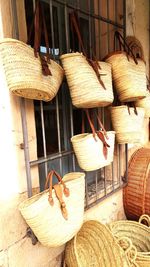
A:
(15, 247)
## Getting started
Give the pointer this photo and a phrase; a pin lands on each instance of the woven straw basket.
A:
(89, 152)
(139, 234)
(136, 195)
(94, 245)
(145, 103)
(85, 89)
(128, 127)
(24, 73)
(129, 78)
(47, 222)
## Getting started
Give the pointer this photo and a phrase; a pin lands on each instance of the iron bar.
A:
(43, 136)
(50, 157)
(88, 13)
(26, 146)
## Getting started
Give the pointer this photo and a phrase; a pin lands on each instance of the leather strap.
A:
(76, 27)
(101, 134)
(39, 24)
(132, 104)
(59, 195)
(123, 44)
(49, 184)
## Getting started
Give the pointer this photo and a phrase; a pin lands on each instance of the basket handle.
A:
(129, 249)
(58, 191)
(94, 64)
(123, 44)
(38, 22)
(145, 218)
(101, 134)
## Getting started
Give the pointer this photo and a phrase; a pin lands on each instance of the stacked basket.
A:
(139, 235)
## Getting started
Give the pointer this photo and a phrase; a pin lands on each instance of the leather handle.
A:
(59, 195)
(49, 180)
(123, 44)
(39, 24)
(94, 64)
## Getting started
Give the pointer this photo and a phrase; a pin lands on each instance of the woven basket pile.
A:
(85, 88)
(139, 234)
(24, 73)
(126, 124)
(129, 78)
(47, 222)
(136, 195)
(89, 152)
(94, 245)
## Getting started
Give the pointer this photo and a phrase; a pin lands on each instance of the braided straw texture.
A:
(128, 127)
(136, 195)
(24, 71)
(47, 222)
(89, 152)
(94, 246)
(129, 78)
(85, 89)
(139, 234)
(144, 103)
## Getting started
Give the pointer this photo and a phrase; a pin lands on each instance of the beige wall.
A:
(137, 22)
(15, 247)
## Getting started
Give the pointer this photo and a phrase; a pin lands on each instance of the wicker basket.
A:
(138, 234)
(145, 103)
(94, 245)
(46, 220)
(89, 150)
(85, 89)
(137, 192)
(24, 73)
(127, 125)
(129, 78)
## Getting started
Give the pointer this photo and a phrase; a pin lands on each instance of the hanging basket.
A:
(24, 72)
(129, 78)
(55, 216)
(94, 245)
(136, 195)
(145, 103)
(139, 234)
(85, 89)
(89, 150)
(94, 150)
(127, 125)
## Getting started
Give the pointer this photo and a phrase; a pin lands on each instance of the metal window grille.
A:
(58, 120)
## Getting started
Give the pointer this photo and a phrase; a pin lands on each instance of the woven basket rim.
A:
(85, 136)
(10, 40)
(98, 227)
(123, 53)
(23, 205)
(124, 106)
(76, 54)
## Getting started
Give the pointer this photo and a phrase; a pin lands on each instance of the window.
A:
(58, 120)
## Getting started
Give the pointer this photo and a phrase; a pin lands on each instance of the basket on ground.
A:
(139, 234)
(136, 195)
(94, 245)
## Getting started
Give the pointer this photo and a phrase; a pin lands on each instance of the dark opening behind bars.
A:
(58, 120)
